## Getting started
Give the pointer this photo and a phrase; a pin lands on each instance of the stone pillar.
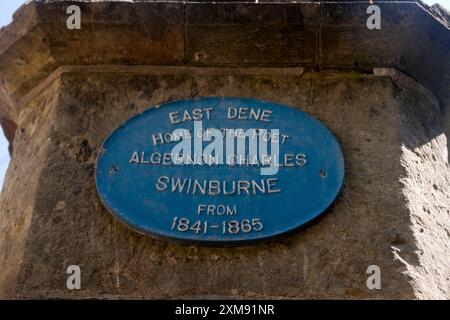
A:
(64, 91)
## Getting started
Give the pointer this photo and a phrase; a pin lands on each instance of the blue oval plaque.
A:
(219, 170)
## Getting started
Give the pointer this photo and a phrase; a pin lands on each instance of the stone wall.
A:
(65, 92)
(379, 219)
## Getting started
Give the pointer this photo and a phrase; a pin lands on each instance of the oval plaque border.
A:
(221, 243)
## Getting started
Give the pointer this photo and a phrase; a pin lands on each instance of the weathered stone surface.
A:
(321, 35)
(370, 224)
(65, 91)
(426, 187)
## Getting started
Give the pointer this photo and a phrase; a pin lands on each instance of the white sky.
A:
(444, 3)
(7, 8)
